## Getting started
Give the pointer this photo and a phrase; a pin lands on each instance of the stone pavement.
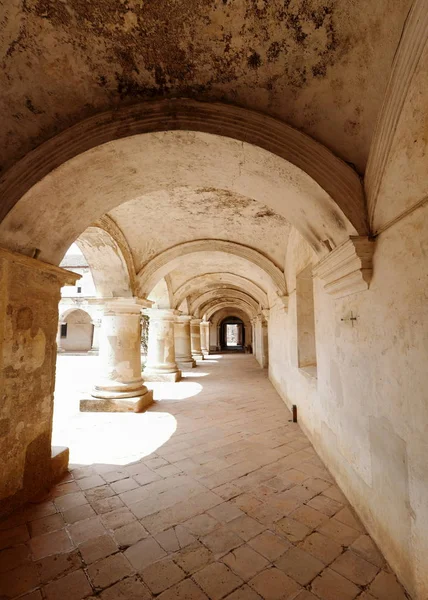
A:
(234, 504)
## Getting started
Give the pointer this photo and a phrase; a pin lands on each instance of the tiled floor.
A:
(232, 504)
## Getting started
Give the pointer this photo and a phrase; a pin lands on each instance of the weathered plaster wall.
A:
(29, 296)
(321, 65)
(366, 411)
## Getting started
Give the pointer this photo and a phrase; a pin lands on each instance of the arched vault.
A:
(198, 306)
(209, 281)
(215, 306)
(269, 275)
(110, 261)
(54, 193)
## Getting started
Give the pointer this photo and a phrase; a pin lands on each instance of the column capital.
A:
(183, 318)
(114, 306)
(195, 321)
(161, 314)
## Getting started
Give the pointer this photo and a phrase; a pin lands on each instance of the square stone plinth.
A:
(135, 404)
(188, 364)
(156, 377)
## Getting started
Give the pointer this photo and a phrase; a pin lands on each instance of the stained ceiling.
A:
(320, 65)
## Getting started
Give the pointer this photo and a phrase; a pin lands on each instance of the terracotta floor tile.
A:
(143, 553)
(334, 493)
(57, 542)
(325, 505)
(46, 525)
(74, 586)
(117, 518)
(339, 532)
(332, 586)
(70, 501)
(386, 587)
(305, 595)
(245, 562)
(11, 537)
(13, 557)
(193, 558)
(354, 568)
(112, 476)
(85, 530)
(292, 530)
(267, 491)
(346, 515)
(90, 482)
(309, 516)
(64, 488)
(225, 512)
(269, 545)
(99, 493)
(217, 580)
(365, 547)
(107, 505)
(18, 581)
(322, 547)
(130, 588)
(97, 548)
(78, 513)
(162, 575)
(36, 595)
(273, 584)
(222, 540)
(58, 565)
(299, 565)
(201, 524)
(246, 527)
(130, 534)
(244, 593)
(124, 485)
(185, 590)
(109, 570)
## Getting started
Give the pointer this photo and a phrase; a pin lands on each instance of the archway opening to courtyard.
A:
(232, 334)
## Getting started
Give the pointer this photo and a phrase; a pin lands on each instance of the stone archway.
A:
(76, 331)
(232, 334)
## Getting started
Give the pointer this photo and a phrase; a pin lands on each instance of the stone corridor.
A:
(235, 504)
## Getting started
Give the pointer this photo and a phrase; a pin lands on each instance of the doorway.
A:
(232, 335)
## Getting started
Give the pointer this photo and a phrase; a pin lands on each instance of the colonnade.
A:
(175, 342)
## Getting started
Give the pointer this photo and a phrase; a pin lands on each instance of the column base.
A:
(159, 376)
(59, 462)
(198, 356)
(186, 364)
(133, 404)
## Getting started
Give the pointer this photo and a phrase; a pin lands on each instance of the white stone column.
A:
(195, 339)
(183, 346)
(264, 339)
(96, 336)
(59, 347)
(161, 364)
(120, 387)
(205, 337)
(261, 340)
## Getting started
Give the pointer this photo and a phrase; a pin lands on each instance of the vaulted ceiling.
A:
(322, 66)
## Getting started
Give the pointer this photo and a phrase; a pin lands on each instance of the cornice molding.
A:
(409, 52)
(64, 276)
(347, 269)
